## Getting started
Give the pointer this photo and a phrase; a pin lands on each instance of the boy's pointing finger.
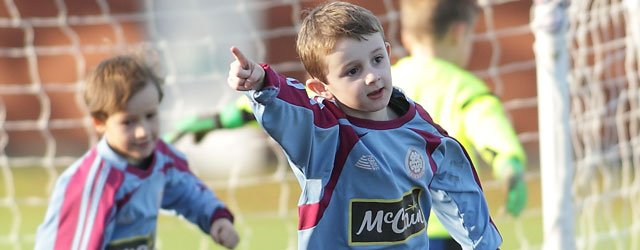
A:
(244, 62)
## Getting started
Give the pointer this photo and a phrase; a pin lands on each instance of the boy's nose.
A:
(142, 130)
(371, 78)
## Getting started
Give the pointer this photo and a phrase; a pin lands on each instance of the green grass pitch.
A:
(266, 216)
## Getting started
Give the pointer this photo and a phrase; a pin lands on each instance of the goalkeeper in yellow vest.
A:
(437, 35)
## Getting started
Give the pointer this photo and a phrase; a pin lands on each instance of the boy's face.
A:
(133, 132)
(359, 76)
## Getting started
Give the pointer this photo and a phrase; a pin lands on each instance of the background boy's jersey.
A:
(103, 202)
(463, 105)
(370, 184)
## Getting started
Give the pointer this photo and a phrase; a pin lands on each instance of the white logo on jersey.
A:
(414, 163)
(367, 162)
(399, 221)
(386, 221)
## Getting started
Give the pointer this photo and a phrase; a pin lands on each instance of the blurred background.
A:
(47, 46)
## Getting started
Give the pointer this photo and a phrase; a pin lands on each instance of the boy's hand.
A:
(223, 233)
(244, 74)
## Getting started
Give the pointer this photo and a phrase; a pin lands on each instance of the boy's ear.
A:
(319, 88)
(99, 125)
(387, 46)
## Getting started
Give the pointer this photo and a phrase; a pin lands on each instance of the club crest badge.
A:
(414, 163)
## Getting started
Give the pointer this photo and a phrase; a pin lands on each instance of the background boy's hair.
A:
(324, 25)
(111, 84)
(431, 19)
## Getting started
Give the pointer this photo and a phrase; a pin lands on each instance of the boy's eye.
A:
(352, 71)
(151, 115)
(378, 59)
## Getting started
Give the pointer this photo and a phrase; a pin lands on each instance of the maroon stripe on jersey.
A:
(177, 161)
(423, 113)
(114, 180)
(433, 142)
(87, 212)
(70, 210)
(473, 167)
(271, 77)
(125, 199)
(299, 97)
(220, 213)
(426, 117)
(326, 119)
(310, 214)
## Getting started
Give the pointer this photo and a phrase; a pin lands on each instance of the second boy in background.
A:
(437, 34)
(370, 161)
(110, 197)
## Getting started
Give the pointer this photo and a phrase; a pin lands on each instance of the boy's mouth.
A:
(376, 94)
(142, 145)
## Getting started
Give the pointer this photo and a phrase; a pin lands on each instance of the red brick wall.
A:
(59, 72)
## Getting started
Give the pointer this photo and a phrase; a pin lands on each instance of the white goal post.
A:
(550, 23)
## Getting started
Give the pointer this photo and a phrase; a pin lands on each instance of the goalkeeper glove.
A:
(513, 172)
(517, 195)
(229, 117)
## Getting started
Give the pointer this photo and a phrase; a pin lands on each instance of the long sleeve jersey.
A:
(102, 202)
(466, 108)
(371, 184)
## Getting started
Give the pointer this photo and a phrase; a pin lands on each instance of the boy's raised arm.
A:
(244, 74)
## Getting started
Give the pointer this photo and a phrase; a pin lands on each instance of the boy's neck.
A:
(437, 50)
(143, 164)
(140, 163)
(386, 114)
(422, 52)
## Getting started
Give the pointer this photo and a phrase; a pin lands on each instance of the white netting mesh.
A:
(604, 51)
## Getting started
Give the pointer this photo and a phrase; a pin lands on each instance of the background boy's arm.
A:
(492, 134)
(189, 197)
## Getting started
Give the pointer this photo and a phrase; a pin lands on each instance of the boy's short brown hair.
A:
(109, 87)
(324, 25)
(430, 19)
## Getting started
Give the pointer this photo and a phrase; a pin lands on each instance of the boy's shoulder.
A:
(81, 170)
(169, 150)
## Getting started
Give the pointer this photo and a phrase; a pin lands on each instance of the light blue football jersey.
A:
(102, 202)
(371, 184)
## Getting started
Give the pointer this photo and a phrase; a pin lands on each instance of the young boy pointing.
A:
(370, 161)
